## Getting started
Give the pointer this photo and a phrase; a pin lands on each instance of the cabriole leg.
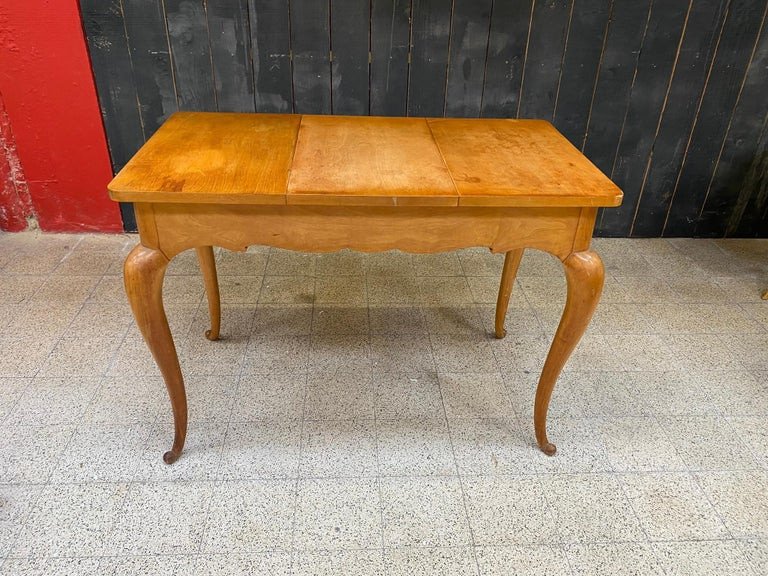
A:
(511, 264)
(208, 266)
(144, 270)
(585, 274)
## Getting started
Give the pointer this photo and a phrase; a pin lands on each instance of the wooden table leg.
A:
(511, 264)
(208, 266)
(585, 274)
(144, 270)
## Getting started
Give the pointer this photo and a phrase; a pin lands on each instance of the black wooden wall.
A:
(668, 97)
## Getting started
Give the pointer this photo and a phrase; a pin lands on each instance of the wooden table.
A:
(324, 183)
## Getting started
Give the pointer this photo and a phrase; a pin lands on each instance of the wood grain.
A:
(391, 161)
(519, 162)
(351, 160)
(212, 158)
(390, 46)
(585, 274)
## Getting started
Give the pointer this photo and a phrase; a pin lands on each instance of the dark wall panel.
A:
(546, 45)
(390, 49)
(666, 97)
(271, 55)
(737, 40)
(350, 37)
(229, 31)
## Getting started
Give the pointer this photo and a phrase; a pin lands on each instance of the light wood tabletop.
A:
(325, 183)
(361, 161)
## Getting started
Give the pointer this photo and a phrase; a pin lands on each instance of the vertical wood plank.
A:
(350, 24)
(151, 56)
(614, 82)
(589, 24)
(228, 27)
(749, 212)
(390, 39)
(730, 63)
(469, 45)
(118, 99)
(190, 48)
(541, 76)
(507, 43)
(701, 34)
(311, 45)
(271, 55)
(649, 91)
(733, 184)
(429, 57)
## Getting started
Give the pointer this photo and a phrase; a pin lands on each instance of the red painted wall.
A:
(15, 203)
(50, 99)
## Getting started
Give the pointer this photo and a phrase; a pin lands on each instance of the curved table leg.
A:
(144, 270)
(585, 274)
(208, 265)
(511, 264)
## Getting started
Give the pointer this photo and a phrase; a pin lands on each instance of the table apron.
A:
(175, 227)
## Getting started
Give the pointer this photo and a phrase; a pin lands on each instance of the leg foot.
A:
(585, 274)
(170, 457)
(549, 449)
(144, 270)
(208, 266)
(508, 273)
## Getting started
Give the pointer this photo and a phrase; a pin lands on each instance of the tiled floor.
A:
(358, 418)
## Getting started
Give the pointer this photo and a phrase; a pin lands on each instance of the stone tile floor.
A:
(357, 416)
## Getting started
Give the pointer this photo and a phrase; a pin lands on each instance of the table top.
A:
(201, 157)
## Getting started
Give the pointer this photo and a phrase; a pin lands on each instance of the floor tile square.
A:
(161, 518)
(672, 507)
(338, 448)
(414, 448)
(441, 264)
(430, 561)
(250, 516)
(338, 514)
(287, 290)
(71, 519)
(424, 512)
(491, 446)
(102, 453)
(707, 443)
(591, 508)
(340, 352)
(507, 510)
(270, 396)
(276, 354)
(468, 395)
(31, 453)
(332, 562)
(390, 319)
(282, 320)
(341, 290)
(459, 353)
(702, 558)
(340, 396)
(290, 263)
(402, 353)
(49, 401)
(739, 499)
(529, 560)
(638, 444)
(16, 502)
(267, 449)
(615, 558)
(454, 320)
(408, 396)
(340, 320)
